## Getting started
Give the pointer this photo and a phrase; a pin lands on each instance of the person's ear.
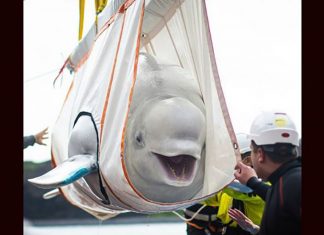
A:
(260, 155)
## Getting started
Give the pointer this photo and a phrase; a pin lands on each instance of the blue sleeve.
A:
(29, 140)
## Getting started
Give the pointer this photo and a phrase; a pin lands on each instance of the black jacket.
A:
(282, 214)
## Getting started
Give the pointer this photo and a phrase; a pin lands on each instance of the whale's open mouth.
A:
(180, 168)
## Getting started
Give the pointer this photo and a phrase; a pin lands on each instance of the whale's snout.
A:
(175, 135)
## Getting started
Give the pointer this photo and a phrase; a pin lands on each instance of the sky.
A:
(257, 46)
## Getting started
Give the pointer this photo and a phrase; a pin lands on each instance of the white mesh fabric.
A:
(180, 36)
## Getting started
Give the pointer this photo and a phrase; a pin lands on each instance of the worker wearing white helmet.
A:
(273, 141)
(277, 136)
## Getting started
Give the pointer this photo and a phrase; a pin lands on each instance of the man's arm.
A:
(247, 175)
(37, 138)
(29, 140)
(259, 187)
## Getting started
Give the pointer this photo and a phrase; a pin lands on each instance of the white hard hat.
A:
(243, 142)
(272, 128)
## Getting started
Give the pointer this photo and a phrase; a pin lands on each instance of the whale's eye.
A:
(139, 138)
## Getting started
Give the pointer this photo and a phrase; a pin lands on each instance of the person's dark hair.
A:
(278, 153)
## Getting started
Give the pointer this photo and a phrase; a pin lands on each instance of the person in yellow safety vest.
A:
(249, 204)
(213, 219)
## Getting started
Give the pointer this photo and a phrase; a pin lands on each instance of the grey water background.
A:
(57, 216)
(104, 229)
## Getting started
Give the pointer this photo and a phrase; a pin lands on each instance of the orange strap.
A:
(210, 226)
(61, 70)
(194, 225)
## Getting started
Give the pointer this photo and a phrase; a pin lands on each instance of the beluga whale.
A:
(166, 133)
(164, 142)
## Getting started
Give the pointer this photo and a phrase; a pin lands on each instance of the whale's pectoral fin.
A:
(51, 194)
(66, 173)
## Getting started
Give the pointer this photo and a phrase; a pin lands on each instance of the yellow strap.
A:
(99, 6)
(81, 17)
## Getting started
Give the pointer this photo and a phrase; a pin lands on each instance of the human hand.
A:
(39, 137)
(243, 221)
(244, 173)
